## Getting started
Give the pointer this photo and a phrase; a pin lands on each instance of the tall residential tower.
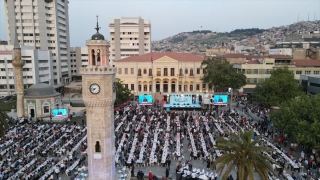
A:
(43, 24)
(129, 37)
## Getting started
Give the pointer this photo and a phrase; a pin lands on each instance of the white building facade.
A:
(37, 69)
(129, 37)
(43, 24)
(78, 58)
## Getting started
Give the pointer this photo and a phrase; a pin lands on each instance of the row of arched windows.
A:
(165, 74)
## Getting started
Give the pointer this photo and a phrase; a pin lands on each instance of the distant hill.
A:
(199, 40)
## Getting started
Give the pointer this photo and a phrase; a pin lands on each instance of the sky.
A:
(170, 17)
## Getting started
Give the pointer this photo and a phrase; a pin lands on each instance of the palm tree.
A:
(241, 152)
(4, 122)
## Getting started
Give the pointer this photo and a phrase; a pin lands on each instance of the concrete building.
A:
(44, 25)
(310, 84)
(162, 72)
(129, 37)
(298, 49)
(257, 71)
(38, 68)
(78, 59)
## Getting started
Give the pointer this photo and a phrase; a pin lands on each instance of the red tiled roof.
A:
(306, 63)
(184, 57)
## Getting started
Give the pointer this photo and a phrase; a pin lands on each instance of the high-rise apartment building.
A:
(129, 37)
(37, 68)
(43, 24)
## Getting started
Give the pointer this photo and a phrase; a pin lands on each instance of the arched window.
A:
(181, 72)
(93, 58)
(144, 71)
(186, 71)
(97, 147)
(98, 57)
(150, 72)
(191, 72)
(139, 72)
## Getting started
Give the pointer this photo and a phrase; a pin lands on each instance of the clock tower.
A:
(98, 89)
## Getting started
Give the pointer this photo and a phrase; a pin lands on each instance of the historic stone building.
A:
(98, 84)
(162, 72)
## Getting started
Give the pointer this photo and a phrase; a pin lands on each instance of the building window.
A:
(139, 72)
(203, 86)
(165, 71)
(191, 72)
(248, 80)
(186, 71)
(307, 72)
(172, 72)
(255, 80)
(204, 71)
(119, 70)
(132, 87)
(144, 71)
(132, 70)
(46, 109)
(125, 70)
(298, 72)
(268, 71)
(150, 72)
(126, 86)
(198, 70)
(145, 88)
(191, 88)
(256, 71)
(315, 72)
(248, 71)
(97, 147)
(139, 87)
(158, 72)
(197, 87)
(181, 72)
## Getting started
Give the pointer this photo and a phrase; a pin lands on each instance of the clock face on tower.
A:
(94, 88)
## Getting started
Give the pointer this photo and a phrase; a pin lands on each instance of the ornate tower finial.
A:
(97, 28)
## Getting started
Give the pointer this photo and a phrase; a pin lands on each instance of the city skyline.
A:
(168, 20)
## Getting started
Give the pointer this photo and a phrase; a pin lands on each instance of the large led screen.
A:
(183, 100)
(220, 99)
(60, 112)
(145, 99)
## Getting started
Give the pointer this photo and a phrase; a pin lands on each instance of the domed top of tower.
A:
(97, 35)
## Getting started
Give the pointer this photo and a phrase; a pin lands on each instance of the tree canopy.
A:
(242, 152)
(123, 94)
(299, 117)
(280, 87)
(5, 120)
(221, 74)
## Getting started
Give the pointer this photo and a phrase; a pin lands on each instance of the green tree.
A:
(123, 94)
(280, 87)
(5, 120)
(299, 118)
(242, 152)
(220, 73)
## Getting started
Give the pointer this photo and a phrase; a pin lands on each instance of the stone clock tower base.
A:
(99, 111)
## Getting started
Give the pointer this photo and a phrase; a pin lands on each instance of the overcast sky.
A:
(170, 17)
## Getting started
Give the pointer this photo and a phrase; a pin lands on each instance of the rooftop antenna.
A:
(97, 28)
